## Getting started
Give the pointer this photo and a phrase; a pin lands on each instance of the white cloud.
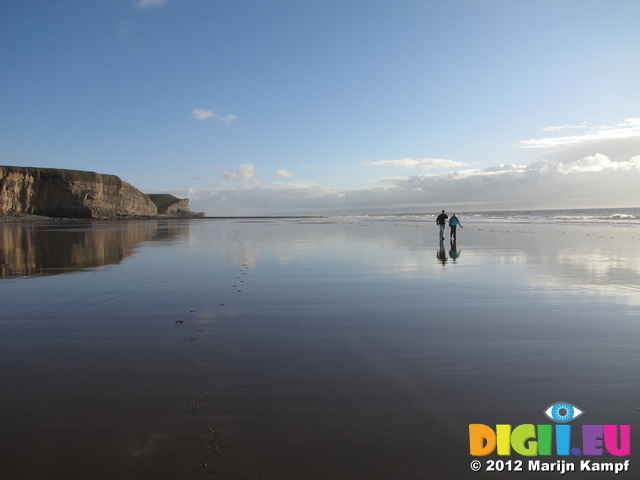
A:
(588, 182)
(295, 185)
(142, 4)
(596, 163)
(591, 181)
(424, 163)
(630, 128)
(284, 173)
(227, 118)
(505, 168)
(246, 171)
(568, 126)
(203, 114)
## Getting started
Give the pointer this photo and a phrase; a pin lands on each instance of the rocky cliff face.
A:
(69, 193)
(181, 207)
(170, 205)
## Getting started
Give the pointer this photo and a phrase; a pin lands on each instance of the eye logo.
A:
(563, 412)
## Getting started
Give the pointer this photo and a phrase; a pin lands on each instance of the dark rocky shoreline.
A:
(25, 217)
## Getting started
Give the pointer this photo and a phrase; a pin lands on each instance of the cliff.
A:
(56, 192)
(170, 205)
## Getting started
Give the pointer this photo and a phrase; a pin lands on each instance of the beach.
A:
(308, 348)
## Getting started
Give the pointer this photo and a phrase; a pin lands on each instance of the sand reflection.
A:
(30, 249)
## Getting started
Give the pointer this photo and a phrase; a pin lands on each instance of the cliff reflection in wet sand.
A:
(28, 249)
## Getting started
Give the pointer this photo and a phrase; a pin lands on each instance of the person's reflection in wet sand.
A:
(442, 253)
(454, 253)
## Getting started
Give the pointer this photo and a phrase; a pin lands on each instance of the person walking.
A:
(453, 223)
(441, 221)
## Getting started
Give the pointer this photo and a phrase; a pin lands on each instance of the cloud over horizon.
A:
(585, 182)
(424, 163)
(283, 173)
(630, 128)
(246, 173)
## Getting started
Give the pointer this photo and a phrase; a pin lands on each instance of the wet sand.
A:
(305, 348)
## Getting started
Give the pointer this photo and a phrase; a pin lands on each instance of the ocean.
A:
(629, 216)
(350, 347)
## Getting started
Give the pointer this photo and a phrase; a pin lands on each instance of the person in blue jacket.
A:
(453, 223)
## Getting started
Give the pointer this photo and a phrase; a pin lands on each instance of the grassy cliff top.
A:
(61, 173)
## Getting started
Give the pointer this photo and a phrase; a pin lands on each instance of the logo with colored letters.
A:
(546, 440)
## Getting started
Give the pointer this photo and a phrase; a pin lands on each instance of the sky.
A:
(301, 107)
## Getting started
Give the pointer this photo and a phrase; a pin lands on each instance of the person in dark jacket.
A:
(441, 221)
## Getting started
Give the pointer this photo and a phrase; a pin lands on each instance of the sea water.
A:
(341, 347)
(629, 216)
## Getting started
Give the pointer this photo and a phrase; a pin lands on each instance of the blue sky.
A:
(252, 107)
